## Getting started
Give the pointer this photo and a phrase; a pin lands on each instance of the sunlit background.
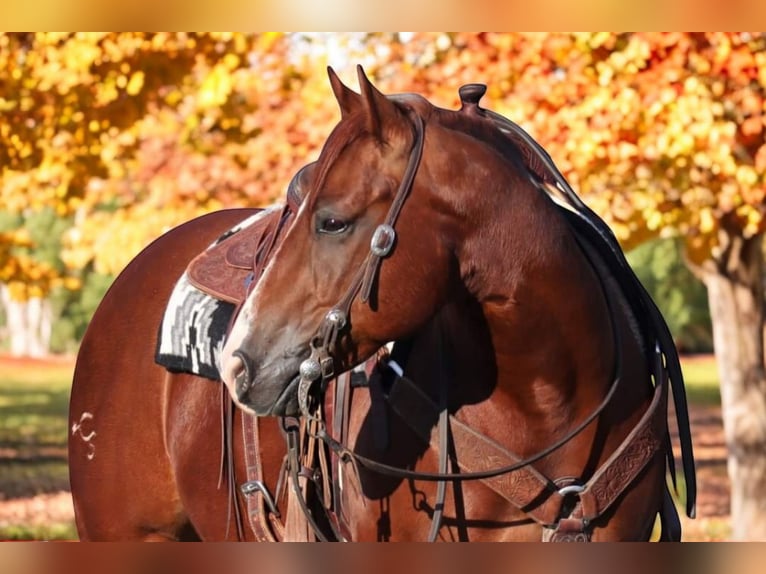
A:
(109, 140)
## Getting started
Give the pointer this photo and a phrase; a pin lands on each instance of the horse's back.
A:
(121, 479)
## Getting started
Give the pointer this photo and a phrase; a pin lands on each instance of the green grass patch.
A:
(701, 378)
(61, 531)
(34, 404)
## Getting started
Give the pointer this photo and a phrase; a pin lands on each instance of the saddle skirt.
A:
(227, 267)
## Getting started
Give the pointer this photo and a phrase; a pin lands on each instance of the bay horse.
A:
(548, 369)
(146, 444)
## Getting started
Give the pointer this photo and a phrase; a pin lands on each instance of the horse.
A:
(156, 454)
(542, 412)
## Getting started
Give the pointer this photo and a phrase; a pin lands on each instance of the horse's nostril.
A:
(241, 385)
(241, 372)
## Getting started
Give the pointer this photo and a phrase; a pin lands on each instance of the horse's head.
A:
(353, 271)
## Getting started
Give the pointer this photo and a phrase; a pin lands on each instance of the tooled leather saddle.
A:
(229, 267)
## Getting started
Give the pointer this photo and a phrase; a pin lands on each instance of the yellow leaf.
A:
(215, 88)
(654, 220)
(135, 83)
(267, 40)
(231, 61)
(707, 221)
(746, 175)
(72, 283)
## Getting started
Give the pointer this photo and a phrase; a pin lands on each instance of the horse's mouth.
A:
(286, 404)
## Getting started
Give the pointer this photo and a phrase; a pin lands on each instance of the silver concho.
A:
(382, 240)
(310, 369)
(336, 317)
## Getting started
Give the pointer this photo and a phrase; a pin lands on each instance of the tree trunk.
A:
(28, 325)
(734, 283)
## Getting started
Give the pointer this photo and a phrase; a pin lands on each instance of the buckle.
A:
(571, 489)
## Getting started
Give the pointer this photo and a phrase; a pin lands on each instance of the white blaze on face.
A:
(241, 330)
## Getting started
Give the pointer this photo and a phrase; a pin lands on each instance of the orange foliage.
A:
(130, 134)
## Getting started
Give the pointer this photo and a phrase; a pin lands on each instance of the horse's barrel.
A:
(470, 94)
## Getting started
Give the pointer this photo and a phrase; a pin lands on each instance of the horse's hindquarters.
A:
(122, 480)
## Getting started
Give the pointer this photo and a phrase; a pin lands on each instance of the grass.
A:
(702, 389)
(58, 531)
(701, 378)
(34, 399)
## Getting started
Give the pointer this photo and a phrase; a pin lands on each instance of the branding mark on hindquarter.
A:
(79, 428)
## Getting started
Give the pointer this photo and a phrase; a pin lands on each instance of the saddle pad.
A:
(194, 325)
(192, 331)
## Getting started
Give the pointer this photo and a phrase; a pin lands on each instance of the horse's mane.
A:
(516, 146)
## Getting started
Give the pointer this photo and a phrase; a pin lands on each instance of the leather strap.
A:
(264, 528)
(635, 452)
(525, 487)
(475, 452)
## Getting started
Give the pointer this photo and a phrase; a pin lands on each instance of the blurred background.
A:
(109, 140)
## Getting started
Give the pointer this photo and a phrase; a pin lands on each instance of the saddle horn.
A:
(470, 95)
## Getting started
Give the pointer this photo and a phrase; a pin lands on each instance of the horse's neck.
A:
(539, 296)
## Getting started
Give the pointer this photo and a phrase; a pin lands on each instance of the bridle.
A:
(319, 366)
(319, 369)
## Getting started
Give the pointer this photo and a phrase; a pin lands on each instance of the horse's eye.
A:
(331, 225)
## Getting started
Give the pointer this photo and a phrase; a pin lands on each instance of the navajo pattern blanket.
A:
(194, 326)
(192, 331)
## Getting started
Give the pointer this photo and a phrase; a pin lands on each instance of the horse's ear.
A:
(377, 105)
(348, 99)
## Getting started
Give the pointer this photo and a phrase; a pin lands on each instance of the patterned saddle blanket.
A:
(205, 298)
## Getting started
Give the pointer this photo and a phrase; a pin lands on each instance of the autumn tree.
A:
(125, 135)
(673, 142)
(69, 104)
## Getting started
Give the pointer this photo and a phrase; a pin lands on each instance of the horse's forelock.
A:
(343, 134)
(346, 132)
